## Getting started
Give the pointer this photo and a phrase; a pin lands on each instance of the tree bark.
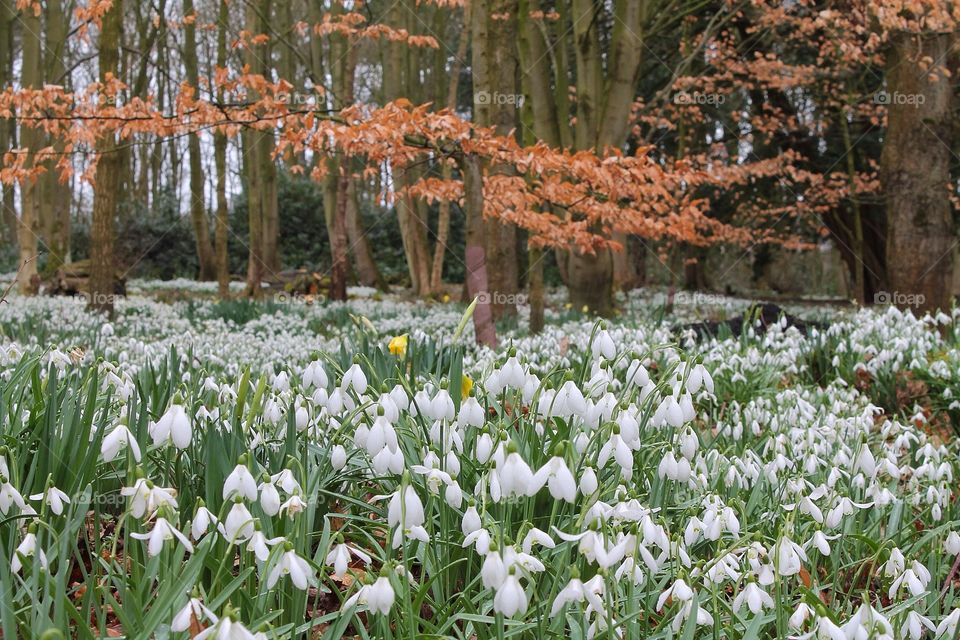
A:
(55, 195)
(220, 160)
(31, 139)
(102, 266)
(198, 214)
(915, 168)
(477, 285)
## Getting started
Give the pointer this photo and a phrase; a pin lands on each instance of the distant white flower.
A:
(173, 426)
(118, 438)
(162, 531)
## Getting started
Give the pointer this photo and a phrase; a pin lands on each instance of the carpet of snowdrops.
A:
(236, 470)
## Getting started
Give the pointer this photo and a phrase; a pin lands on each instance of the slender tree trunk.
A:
(8, 129)
(55, 197)
(443, 219)
(30, 190)
(496, 99)
(198, 214)
(367, 271)
(220, 160)
(108, 176)
(915, 168)
(477, 286)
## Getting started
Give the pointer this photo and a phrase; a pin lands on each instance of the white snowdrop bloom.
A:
(260, 544)
(865, 462)
(202, 520)
(588, 482)
(281, 382)
(952, 544)
(441, 406)
(480, 539)
(338, 457)
(493, 570)
(800, 616)
(238, 526)
(192, 613)
(821, 541)
(354, 378)
(536, 536)
(269, 498)
(789, 556)
(484, 448)
(510, 598)
(948, 626)
(173, 426)
(301, 418)
(339, 558)
(162, 531)
(471, 413)
(227, 629)
(688, 444)
(915, 625)
(756, 599)
(118, 438)
(471, 521)
(453, 495)
(240, 482)
(377, 597)
(405, 512)
(603, 346)
(146, 498)
(867, 622)
(512, 374)
(27, 548)
(293, 505)
(54, 498)
(916, 579)
(286, 481)
(569, 401)
(516, 478)
(637, 374)
(315, 376)
(559, 479)
(301, 575)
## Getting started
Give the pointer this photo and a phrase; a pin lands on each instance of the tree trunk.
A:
(32, 140)
(8, 129)
(496, 99)
(367, 272)
(477, 286)
(102, 267)
(55, 198)
(915, 166)
(220, 160)
(198, 214)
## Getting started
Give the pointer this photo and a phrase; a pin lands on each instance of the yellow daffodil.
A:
(398, 345)
(466, 386)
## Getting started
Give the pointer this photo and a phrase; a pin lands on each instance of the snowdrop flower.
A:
(471, 521)
(54, 498)
(338, 457)
(588, 482)
(146, 498)
(559, 479)
(354, 378)
(405, 512)
(9, 496)
(118, 438)
(510, 597)
(173, 426)
(293, 506)
(952, 544)
(948, 626)
(677, 591)
(339, 558)
(789, 556)
(260, 544)
(193, 612)
(800, 616)
(202, 520)
(471, 413)
(378, 596)
(240, 482)
(238, 526)
(516, 478)
(269, 497)
(27, 549)
(603, 346)
(913, 626)
(301, 575)
(227, 629)
(756, 598)
(161, 532)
